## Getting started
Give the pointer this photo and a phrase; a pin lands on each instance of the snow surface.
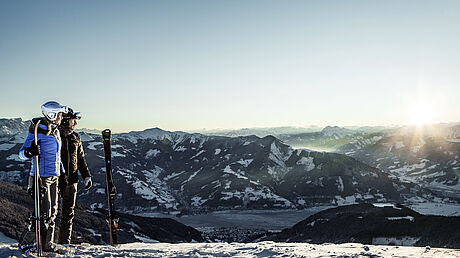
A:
(440, 209)
(245, 163)
(180, 149)
(239, 174)
(276, 155)
(399, 145)
(340, 184)
(377, 138)
(307, 162)
(14, 157)
(6, 146)
(152, 153)
(401, 218)
(92, 145)
(348, 200)
(198, 154)
(381, 205)
(261, 249)
(117, 154)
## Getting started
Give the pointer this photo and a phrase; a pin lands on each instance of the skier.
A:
(50, 166)
(73, 159)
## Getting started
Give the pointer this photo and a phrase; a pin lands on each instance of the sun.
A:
(422, 114)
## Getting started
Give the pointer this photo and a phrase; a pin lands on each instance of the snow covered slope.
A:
(262, 249)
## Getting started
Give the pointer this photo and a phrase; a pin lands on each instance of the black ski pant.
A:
(69, 196)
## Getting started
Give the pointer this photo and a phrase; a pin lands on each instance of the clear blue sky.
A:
(181, 65)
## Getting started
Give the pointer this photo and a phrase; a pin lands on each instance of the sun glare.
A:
(422, 114)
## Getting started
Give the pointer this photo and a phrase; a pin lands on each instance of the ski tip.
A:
(106, 133)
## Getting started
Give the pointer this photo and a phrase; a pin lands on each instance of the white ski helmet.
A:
(51, 109)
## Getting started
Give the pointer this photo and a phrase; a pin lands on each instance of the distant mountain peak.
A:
(336, 131)
(11, 126)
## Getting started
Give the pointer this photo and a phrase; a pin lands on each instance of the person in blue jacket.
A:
(50, 166)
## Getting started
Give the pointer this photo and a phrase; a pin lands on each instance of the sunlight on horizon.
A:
(422, 114)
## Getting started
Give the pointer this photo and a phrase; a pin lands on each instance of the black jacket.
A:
(73, 157)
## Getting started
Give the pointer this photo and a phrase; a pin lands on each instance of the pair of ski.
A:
(110, 190)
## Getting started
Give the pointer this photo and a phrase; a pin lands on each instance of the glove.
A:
(31, 189)
(88, 183)
(30, 186)
(33, 150)
(62, 183)
(30, 192)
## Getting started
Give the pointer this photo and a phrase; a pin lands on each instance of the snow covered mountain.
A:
(160, 170)
(429, 156)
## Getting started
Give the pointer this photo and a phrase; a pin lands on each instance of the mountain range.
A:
(179, 172)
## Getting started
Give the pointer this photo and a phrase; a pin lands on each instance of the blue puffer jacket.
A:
(50, 163)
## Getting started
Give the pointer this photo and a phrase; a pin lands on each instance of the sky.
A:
(186, 65)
